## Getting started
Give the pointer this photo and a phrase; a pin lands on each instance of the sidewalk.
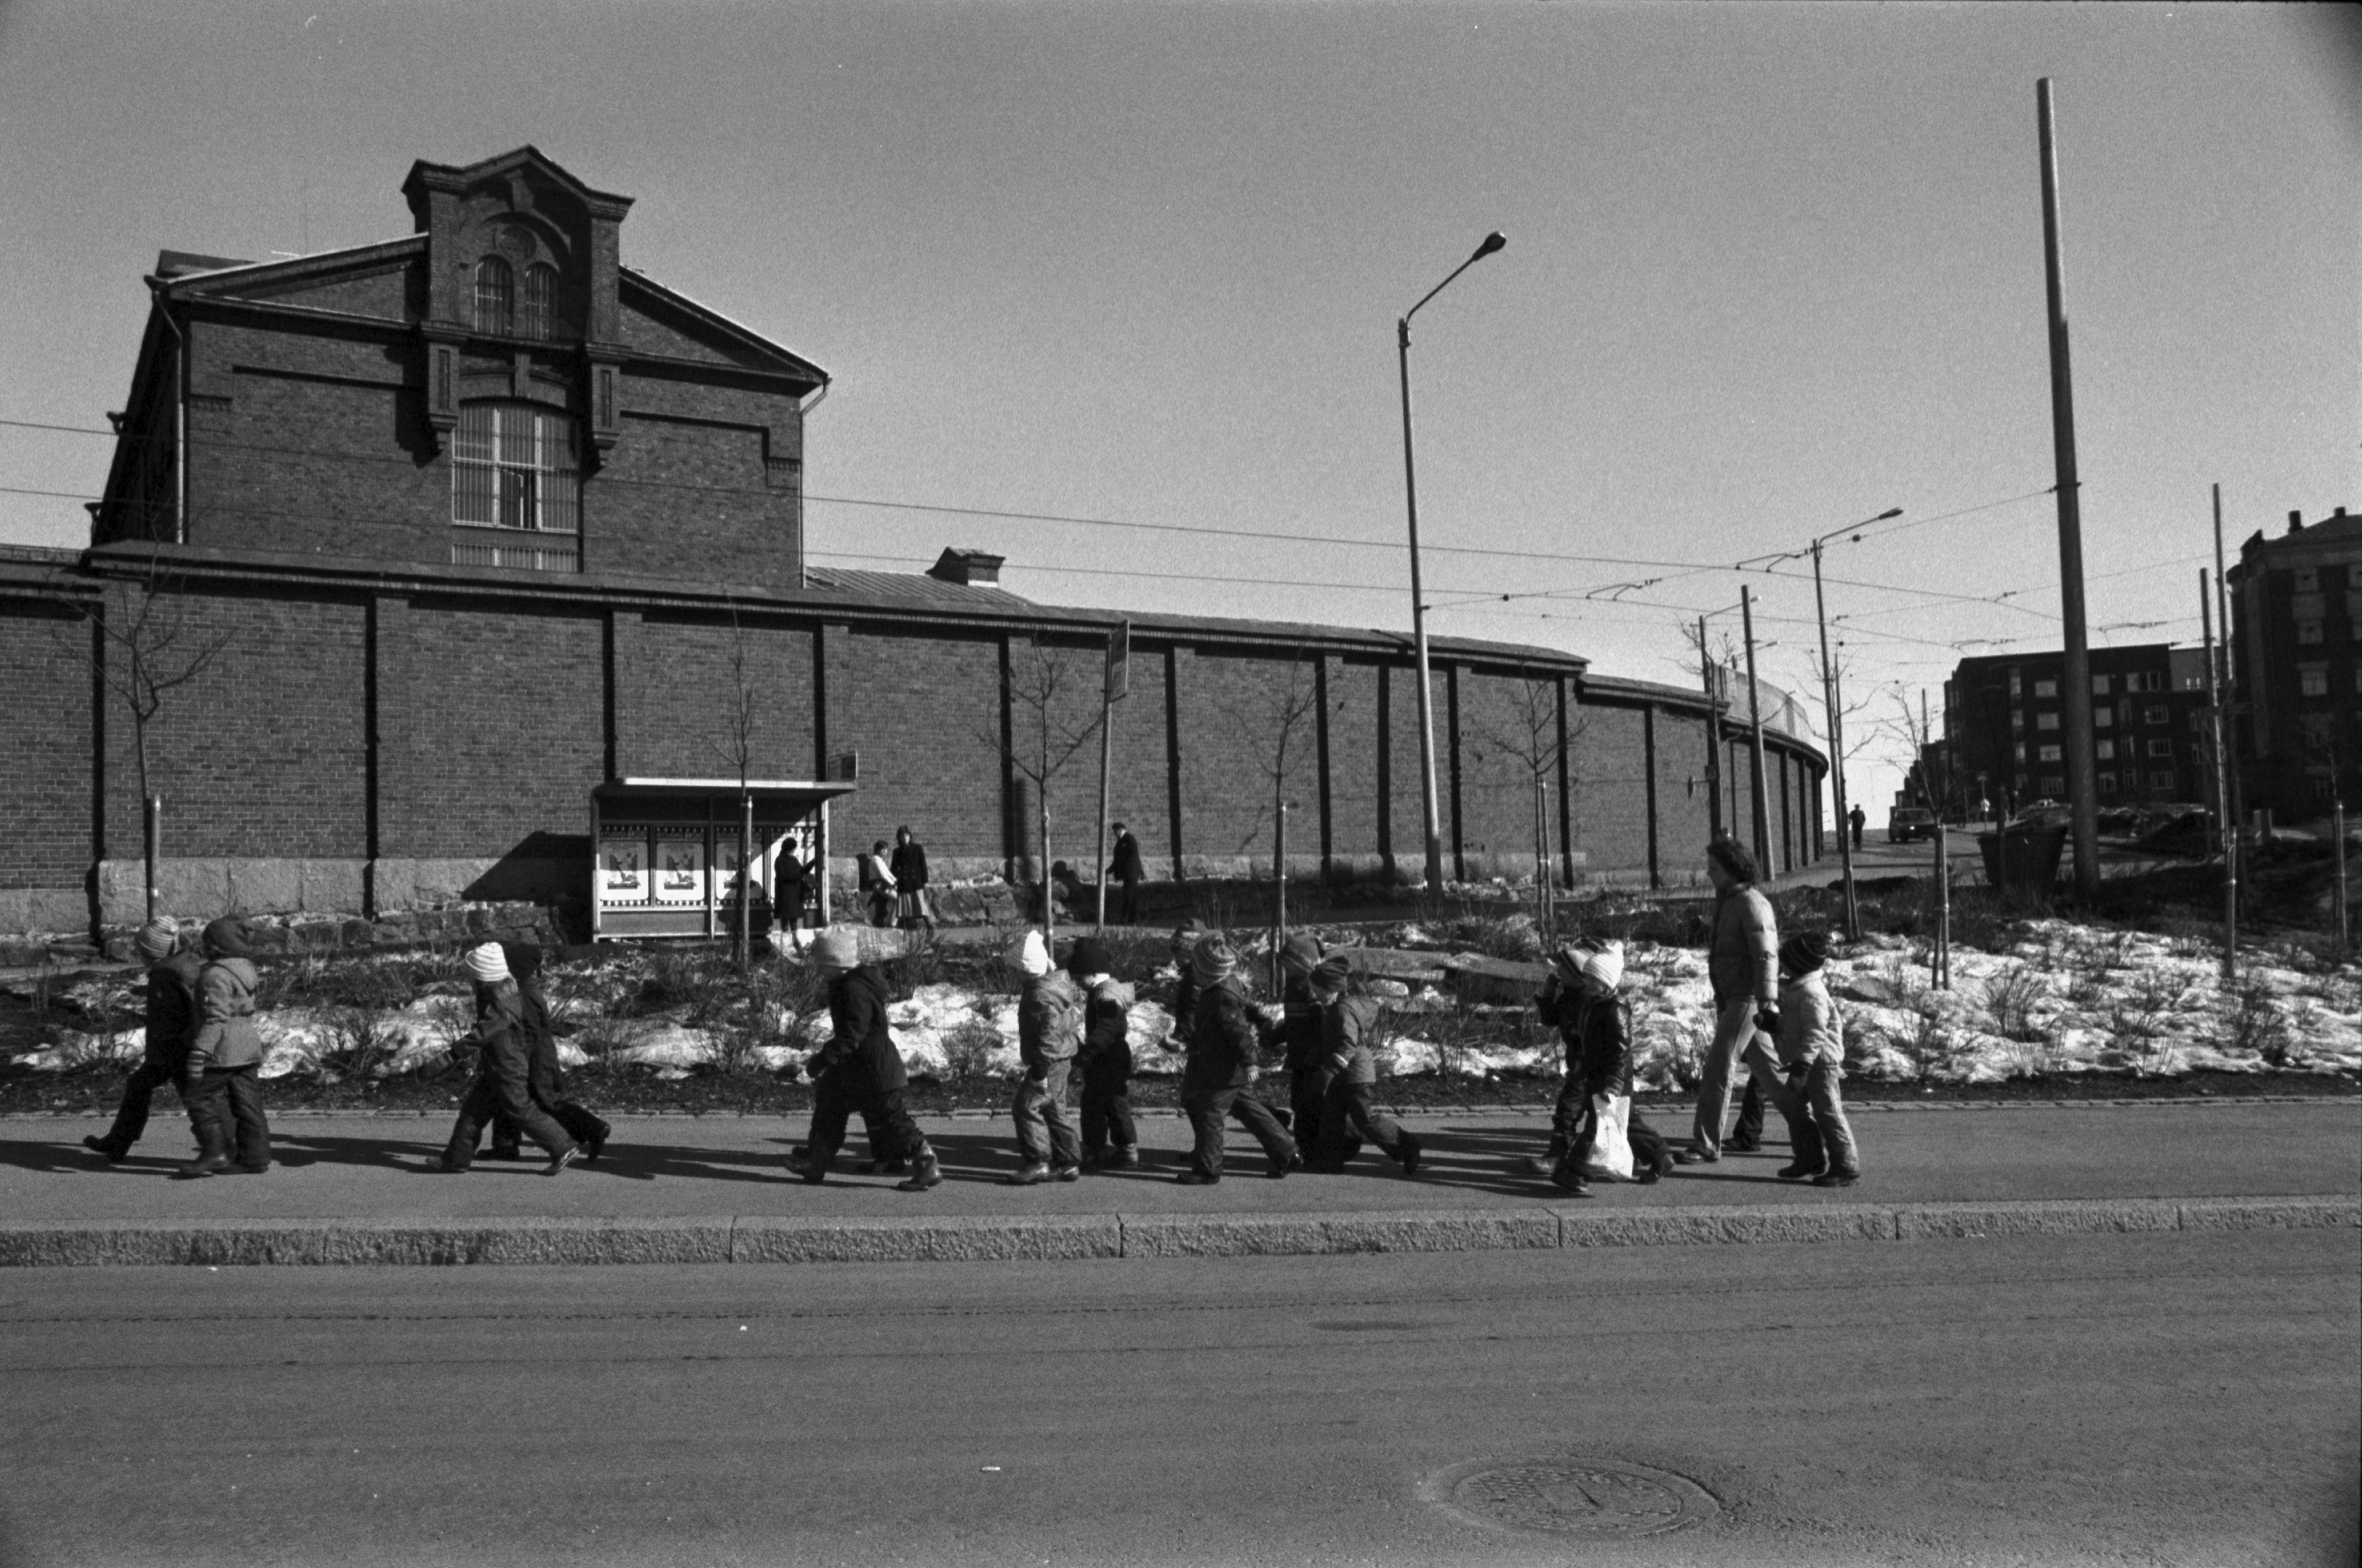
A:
(358, 1188)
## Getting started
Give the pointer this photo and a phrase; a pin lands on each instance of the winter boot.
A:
(1409, 1151)
(800, 1161)
(928, 1171)
(1547, 1161)
(108, 1152)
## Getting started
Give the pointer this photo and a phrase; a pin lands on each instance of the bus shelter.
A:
(666, 853)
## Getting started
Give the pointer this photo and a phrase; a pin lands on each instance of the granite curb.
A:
(1001, 1238)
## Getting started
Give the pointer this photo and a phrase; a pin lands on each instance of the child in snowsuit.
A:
(224, 1070)
(171, 1024)
(1596, 1019)
(1812, 1034)
(1186, 937)
(1221, 1065)
(1105, 1058)
(502, 1086)
(859, 1070)
(1348, 1025)
(1294, 1026)
(1049, 1033)
(545, 1076)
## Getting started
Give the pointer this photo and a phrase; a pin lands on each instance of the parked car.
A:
(1907, 822)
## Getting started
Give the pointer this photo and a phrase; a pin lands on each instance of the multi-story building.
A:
(2297, 647)
(2004, 723)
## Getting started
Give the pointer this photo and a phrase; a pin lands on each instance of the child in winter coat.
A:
(1049, 1033)
(1105, 1058)
(1348, 1023)
(1812, 1032)
(545, 1079)
(1596, 1019)
(1222, 1064)
(224, 1071)
(502, 1086)
(859, 1070)
(172, 979)
(1184, 985)
(1294, 1026)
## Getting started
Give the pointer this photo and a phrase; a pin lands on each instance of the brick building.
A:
(481, 523)
(2005, 726)
(2296, 645)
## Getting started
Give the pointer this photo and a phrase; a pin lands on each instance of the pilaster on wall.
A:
(1451, 703)
(833, 725)
(1320, 739)
(628, 682)
(393, 790)
(1176, 657)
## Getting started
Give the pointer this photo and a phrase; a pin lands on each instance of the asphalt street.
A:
(2164, 1399)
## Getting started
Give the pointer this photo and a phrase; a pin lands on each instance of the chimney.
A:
(966, 566)
(2296, 522)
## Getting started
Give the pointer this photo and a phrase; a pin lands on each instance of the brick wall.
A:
(925, 714)
(677, 692)
(45, 713)
(1249, 734)
(1508, 726)
(1608, 758)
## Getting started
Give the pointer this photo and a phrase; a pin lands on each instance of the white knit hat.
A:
(1030, 954)
(488, 963)
(1604, 965)
(157, 939)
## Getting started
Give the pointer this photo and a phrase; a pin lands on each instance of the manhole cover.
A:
(1594, 1498)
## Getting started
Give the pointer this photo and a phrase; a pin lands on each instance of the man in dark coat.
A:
(545, 1076)
(503, 1081)
(1221, 1065)
(1127, 870)
(172, 1023)
(859, 1070)
(792, 887)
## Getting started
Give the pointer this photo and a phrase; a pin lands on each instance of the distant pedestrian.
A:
(225, 1063)
(859, 1070)
(1049, 1033)
(545, 1074)
(504, 1082)
(1813, 1034)
(1222, 1068)
(1294, 1026)
(1126, 869)
(1856, 818)
(1349, 1028)
(878, 898)
(909, 870)
(791, 884)
(172, 976)
(1110, 1141)
(1743, 969)
(1595, 1017)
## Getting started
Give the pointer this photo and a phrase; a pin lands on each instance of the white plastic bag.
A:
(1611, 1137)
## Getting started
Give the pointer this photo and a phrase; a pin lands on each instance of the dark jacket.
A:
(1598, 1036)
(909, 867)
(1107, 1030)
(1297, 1033)
(172, 1009)
(1126, 867)
(1221, 1039)
(1185, 1007)
(544, 1077)
(861, 1051)
(503, 1045)
(1349, 1035)
(1049, 1021)
(226, 1034)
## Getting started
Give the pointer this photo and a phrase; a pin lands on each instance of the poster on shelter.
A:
(680, 870)
(624, 869)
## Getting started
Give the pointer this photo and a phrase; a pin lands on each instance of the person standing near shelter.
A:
(1221, 1066)
(909, 870)
(545, 1075)
(1049, 1033)
(792, 887)
(1742, 966)
(1110, 1141)
(859, 1070)
(1348, 1025)
(225, 1063)
(172, 1023)
(1126, 869)
(1857, 819)
(877, 885)
(502, 1086)
(1812, 1034)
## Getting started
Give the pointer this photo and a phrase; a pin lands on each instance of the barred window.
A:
(537, 312)
(513, 466)
(496, 297)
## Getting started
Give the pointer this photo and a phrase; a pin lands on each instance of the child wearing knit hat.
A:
(504, 1082)
(172, 1023)
(1049, 1033)
(223, 1074)
(1349, 1022)
(1222, 1064)
(1812, 1035)
(1111, 1139)
(1595, 1020)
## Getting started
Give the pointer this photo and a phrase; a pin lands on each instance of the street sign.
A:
(1119, 668)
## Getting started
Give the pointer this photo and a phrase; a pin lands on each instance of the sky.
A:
(1772, 270)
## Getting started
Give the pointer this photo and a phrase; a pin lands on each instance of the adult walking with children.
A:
(859, 1070)
(171, 1025)
(224, 1071)
(1743, 969)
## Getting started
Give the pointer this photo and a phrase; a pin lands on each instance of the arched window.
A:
(495, 295)
(513, 466)
(538, 314)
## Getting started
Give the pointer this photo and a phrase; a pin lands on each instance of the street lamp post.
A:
(1429, 818)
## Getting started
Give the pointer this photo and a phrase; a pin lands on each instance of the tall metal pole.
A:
(2238, 798)
(1713, 737)
(155, 836)
(2220, 730)
(1429, 815)
(1755, 723)
(1837, 749)
(2338, 826)
(2082, 763)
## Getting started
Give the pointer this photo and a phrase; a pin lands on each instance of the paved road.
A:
(2112, 1399)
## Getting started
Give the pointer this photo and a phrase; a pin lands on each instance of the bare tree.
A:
(1041, 688)
(1530, 733)
(145, 650)
(733, 740)
(1270, 723)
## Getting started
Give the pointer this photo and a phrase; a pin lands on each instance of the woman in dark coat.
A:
(909, 868)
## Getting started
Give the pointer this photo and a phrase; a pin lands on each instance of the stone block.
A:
(333, 887)
(2068, 1217)
(265, 887)
(1722, 1226)
(1413, 1231)
(928, 1239)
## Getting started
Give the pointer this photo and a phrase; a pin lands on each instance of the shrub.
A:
(2010, 998)
(968, 1050)
(355, 1041)
(2259, 1025)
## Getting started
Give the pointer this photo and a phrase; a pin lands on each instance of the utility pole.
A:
(2238, 796)
(2220, 730)
(1713, 737)
(2082, 765)
(1829, 706)
(1755, 723)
